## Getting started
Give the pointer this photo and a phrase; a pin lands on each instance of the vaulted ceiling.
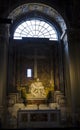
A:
(69, 8)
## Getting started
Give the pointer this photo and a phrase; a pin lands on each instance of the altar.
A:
(38, 118)
(37, 113)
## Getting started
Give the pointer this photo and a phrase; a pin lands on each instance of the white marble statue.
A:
(37, 89)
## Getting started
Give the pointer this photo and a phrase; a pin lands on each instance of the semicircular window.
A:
(36, 28)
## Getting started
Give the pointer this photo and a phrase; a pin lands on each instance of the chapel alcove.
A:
(32, 64)
(42, 56)
(39, 55)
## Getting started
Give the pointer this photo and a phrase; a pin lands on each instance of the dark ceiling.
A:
(69, 8)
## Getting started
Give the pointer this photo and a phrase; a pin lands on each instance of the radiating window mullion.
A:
(36, 28)
(28, 27)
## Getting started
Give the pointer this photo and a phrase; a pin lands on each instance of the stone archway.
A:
(46, 10)
(50, 12)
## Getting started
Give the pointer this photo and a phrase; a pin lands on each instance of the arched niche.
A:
(45, 11)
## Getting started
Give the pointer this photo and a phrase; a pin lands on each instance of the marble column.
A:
(74, 69)
(3, 69)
